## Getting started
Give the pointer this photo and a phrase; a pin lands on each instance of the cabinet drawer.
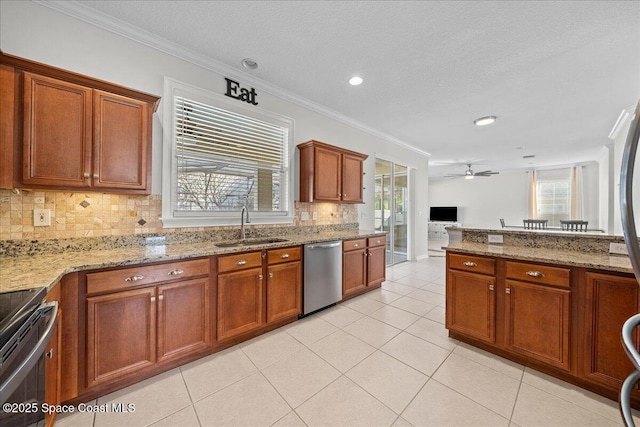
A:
(239, 262)
(277, 256)
(538, 273)
(123, 278)
(377, 241)
(352, 245)
(472, 263)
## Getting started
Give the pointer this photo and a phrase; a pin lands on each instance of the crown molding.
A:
(101, 20)
(621, 122)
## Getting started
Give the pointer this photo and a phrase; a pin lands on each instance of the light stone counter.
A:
(46, 269)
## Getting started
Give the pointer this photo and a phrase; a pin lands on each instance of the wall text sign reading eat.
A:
(243, 94)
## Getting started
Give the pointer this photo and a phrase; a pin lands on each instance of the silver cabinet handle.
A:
(284, 256)
(85, 175)
(160, 297)
(270, 275)
(241, 262)
(96, 176)
(490, 287)
(134, 278)
(153, 299)
(507, 291)
(470, 264)
(535, 274)
(49, 354)
(175, 272)
(259, 276)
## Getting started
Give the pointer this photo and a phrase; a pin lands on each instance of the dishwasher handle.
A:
(324, 245)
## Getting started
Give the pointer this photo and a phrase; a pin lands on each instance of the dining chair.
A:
(502, 222)
(574, 225)
(535, 224)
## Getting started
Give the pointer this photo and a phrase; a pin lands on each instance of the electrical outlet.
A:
(618, 248)
(304, 216)
(42, 217)
(495, 238)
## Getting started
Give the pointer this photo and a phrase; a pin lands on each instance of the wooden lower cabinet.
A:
(284, 293)
(376, 268)
(609, 301)
(240, 302)
(471, 305)
(537, 322)
(121, 334)
(354, 272)
(363, 265)
(183, 318)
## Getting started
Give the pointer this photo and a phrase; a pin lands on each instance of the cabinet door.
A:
(121, 334)
(284, 296)
(184, 310)
(354, 272)
(121, 142)
(351, 179)
(471, 305)
(537, 321)
(240, 302)
(376, 269)
(57, 132)
(327, 175)
(610, 301)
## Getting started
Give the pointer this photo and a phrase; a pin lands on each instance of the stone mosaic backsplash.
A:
(88, 214)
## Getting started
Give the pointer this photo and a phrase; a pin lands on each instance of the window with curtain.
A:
(224, 157)
(553, 195)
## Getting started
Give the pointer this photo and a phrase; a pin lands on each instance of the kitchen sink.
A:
(240, 243)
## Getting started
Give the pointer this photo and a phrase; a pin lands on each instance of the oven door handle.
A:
(21, 372)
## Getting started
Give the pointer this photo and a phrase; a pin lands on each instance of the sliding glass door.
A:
(391, 197)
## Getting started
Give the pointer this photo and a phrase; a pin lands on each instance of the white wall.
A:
(38, 33)
(483, 201)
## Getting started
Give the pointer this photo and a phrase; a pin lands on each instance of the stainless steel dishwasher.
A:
(322, 275)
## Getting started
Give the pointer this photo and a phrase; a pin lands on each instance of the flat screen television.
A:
(444, 213)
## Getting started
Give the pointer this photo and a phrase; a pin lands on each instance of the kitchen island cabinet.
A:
(562, 320)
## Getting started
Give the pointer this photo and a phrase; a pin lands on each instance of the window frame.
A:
(177, 219)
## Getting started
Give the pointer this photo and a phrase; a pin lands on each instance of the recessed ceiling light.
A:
(249, 64)
(483, 121)
(521, 148)
(355, 80)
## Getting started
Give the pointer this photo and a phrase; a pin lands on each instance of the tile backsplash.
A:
(96, 214)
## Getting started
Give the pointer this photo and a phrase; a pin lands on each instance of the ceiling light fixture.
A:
(468, 177)
(483, 121)
(249, 64)
(355, 81)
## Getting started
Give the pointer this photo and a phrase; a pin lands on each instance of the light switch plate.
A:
(41, 217)
(315, 216)
(495, 238)
(618, 248)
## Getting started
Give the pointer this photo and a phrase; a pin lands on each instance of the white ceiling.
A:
(557, 74)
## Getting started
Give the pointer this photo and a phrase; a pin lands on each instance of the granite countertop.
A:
(24, 272)
(595, 260)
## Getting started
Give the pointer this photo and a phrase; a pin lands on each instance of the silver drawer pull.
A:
(507, 291)
(241, 262)
(134, 278)
(490, 287)
(535, 274)
(175, 272)
(470, 264)
(284, 256)
(355, 245)
(377, 242)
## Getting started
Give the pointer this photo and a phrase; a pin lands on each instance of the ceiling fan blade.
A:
(488, 173)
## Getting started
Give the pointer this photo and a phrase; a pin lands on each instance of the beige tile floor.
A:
(382, 359)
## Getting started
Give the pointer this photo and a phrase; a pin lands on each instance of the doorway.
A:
(391, 208)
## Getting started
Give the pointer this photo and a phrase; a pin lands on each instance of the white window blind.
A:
(227, 160)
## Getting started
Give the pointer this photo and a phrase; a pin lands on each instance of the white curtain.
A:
(533, 198)
(577, 193)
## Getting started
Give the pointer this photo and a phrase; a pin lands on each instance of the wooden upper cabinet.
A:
(57, 132)
(121, 142)
(63, 130)
(330, 174)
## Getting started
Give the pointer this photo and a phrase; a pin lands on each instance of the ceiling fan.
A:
(470, 174)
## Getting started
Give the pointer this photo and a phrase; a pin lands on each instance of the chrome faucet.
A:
(242, 214)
